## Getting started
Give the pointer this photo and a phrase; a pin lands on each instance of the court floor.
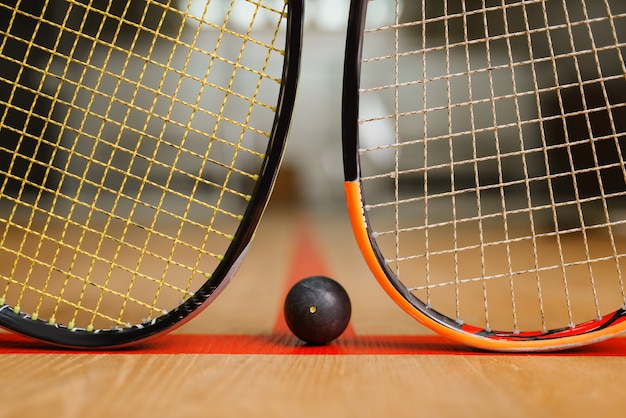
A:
(237, 358)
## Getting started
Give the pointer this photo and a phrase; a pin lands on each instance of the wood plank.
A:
(308, 386)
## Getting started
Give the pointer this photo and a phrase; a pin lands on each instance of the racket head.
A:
(97, 262)
(526, 256)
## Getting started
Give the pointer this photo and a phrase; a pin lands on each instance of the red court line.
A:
(288, 345)
(307, 260)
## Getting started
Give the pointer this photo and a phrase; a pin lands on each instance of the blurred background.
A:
(313, 158)
(312, 171)
(312, 166)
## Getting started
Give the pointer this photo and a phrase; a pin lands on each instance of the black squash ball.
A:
(317, 310)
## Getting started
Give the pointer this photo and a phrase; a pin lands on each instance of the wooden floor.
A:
(236, 359)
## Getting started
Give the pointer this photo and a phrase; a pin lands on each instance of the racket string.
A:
(108, 164)
(525, 168)
(426, 163)
(124, 122)
(396, 136)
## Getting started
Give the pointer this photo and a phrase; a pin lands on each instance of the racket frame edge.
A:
(559, 339)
